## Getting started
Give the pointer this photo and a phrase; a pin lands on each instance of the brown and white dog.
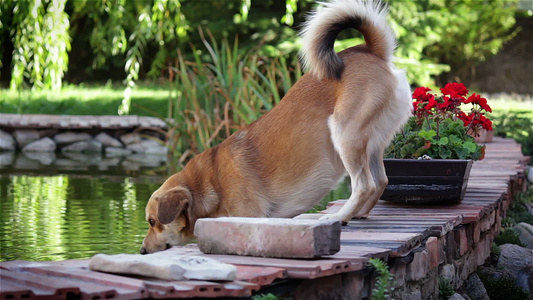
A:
(335, 120)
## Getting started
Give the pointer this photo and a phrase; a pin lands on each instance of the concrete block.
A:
(268, 237)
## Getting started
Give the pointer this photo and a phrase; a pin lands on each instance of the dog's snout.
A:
(143, 251)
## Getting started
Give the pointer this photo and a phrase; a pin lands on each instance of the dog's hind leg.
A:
(353, 151)
(380, 180)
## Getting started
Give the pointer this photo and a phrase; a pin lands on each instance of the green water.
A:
(60, 217)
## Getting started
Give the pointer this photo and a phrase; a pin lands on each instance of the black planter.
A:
(436, 181)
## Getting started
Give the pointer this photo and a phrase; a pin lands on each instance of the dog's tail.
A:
(323, 26)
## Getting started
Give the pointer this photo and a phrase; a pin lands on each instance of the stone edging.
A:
(112, 135)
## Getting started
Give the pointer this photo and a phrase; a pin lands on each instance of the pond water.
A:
(53, 213)
(58, 208)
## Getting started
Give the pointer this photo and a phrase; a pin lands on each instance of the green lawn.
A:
(85, 100)
(105, 100)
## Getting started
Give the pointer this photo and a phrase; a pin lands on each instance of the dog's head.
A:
(168, 214)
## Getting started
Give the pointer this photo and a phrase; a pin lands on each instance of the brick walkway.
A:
(413, 239)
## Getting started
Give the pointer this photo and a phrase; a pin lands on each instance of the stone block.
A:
(419, 267)
(268, 237)
(7, 143)
(460, 240)
(131, 138)
(340, 286)
(448, 272)
(107, 140)
(26, 136)
(42, 145)
(476, 232)
(399, 268)
(70, 137)
(92, 145)
(432, 245)
(164, 266)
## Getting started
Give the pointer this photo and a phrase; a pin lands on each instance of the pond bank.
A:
(112, 135)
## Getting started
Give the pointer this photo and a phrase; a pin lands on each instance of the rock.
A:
(91, 145)
(7, 158)
(7, 143)
(513, 258)
(131, 138)
(26, 136)
(107, 140)
(525, 233)
(164, 266)
(268, 237)
(70, 137)
(22, 162)
(43, 145)
(448, 272)
(45, 158)
(524, 279)
(475, 288)
(456, 297)
(114, 152)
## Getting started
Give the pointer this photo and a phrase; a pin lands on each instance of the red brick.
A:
(268, 237)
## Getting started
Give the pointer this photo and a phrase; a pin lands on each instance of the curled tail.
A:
(323, 26)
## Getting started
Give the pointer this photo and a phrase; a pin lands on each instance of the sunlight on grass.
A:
(84, 100)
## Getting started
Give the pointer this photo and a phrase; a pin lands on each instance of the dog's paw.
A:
(335, 217)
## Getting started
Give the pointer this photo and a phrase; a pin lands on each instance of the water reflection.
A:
(72, 214)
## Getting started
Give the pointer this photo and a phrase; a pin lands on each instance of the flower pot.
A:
(436, 181)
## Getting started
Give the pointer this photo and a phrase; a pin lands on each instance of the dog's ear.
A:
(172, 203)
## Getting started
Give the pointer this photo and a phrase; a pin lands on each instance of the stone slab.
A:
(161, 265)
(268, 237)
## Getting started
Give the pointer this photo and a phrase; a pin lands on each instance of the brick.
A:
(268, 237)
(432, 245)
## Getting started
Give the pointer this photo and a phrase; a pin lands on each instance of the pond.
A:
(73, 211)
(68, 207)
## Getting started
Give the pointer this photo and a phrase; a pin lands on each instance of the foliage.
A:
(268, 296)
(384, 283)
(518, 211)
(39, 30)
(213, 100)
(508, 236)
(432, 35)
(445, 288)
(503, 288)
(440, 128)
(517, 125)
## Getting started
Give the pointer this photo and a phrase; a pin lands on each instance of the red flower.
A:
(485, 123)
(477, 99)
(420, 93)
(455, 90)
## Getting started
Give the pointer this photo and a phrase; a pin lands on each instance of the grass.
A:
(85, 100)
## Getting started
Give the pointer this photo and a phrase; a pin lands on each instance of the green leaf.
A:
(445, 153)
(443, 141)
(427, 134)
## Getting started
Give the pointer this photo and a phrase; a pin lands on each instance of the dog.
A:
(335, 121)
